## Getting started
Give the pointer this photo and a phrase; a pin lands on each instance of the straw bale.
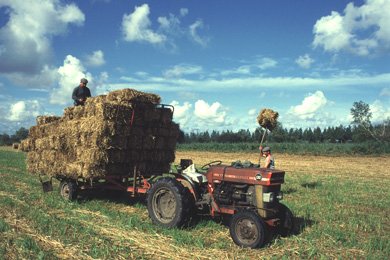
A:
(131, 95)
(267, 118)
(46, 119)
(108, 136)
(15, 146)
(27, 145)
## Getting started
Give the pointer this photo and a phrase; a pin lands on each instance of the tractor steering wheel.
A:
(208, 165)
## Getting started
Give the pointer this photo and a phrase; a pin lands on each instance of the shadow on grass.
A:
(112, 196)
(289, 190)
(311, 185)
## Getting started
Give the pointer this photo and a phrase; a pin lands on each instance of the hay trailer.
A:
(249, 195)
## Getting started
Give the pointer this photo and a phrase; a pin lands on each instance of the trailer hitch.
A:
(47, 184)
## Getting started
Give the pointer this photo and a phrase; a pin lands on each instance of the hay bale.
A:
(131, 95)
(267, 118)
(108, 136)
(15, 146)
(46, 119)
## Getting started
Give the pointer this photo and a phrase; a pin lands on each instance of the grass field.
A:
(341, 206)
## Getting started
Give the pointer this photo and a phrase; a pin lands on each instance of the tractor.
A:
(248, 194)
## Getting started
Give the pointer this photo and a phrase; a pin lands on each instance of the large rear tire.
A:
(247, 229)
(169, 203)
(286, 226)
(68, 190)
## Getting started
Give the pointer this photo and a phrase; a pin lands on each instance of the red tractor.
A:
(249, 194)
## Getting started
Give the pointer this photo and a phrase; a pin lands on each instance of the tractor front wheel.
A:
(247, 229)
(169, 203)
(68, 190)
(286, 226)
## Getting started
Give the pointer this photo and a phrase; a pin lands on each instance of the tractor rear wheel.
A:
(247, 229)
(169, 203)
(286, 226)
(68, 190)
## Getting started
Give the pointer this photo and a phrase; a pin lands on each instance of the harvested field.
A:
(341, 206)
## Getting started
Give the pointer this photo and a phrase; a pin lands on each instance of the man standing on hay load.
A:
(81, 93)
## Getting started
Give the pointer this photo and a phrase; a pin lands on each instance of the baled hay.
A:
(98, 139)
(15, 146)
(46, 119)
(267, 118)
(131, 95)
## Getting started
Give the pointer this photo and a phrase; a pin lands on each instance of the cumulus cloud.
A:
(202, 41)
(309, 106)
(25, 39)
(136, 27)
(23, 110)
(182, 113)
(182, 69)
(304, 61)
(70, 74)
(380, 112)
(96, 59)
(213, 113)
(361, 30)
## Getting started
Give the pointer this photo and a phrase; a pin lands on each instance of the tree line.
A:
(19, 135)
(338, 134)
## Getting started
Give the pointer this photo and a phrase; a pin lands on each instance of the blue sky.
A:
(218, 62)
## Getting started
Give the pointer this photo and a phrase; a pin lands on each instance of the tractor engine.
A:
(233, 188)
(228, 193)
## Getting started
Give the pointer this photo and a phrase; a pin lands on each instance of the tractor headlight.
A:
(268, 197)
(258, 177)
(272, 196)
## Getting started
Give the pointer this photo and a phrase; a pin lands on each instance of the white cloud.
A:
(69, 77)
(380, 112)
(304, 61)
(136, 27)
(385, 92)
(27, 35)
(23, 110)
(182, 113)
(362, 30)
(309, 106)
(266, 63)
(96, 59)
(252, 112)
(213, 113)
(182, 69)
(202, 41)
(183, 11)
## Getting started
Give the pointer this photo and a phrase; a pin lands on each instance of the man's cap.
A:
(266, 149)
(84, 80)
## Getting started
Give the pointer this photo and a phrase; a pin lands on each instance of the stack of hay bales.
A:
(110, 135)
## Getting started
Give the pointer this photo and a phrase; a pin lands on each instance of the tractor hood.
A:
(251, 175)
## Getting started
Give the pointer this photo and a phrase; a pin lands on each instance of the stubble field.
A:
(341, 207)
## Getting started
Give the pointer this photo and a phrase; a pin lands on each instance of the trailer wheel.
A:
(286, 226)
(169, 203)
(247, 229)
(68, 190)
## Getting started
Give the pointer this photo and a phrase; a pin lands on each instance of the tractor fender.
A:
(188, 183)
